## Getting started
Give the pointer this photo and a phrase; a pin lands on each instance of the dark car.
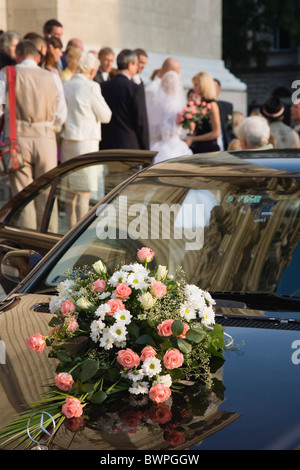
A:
(37, 217)
(231, 221)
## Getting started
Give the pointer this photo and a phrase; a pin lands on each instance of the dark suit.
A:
(99, 77)
(226, 115)
(128, 127)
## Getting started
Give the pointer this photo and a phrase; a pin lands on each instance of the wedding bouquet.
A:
(193, 114)
(140, 331)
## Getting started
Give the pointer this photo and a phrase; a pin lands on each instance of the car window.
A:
(230, 234)
(79, 190)
(29, 215)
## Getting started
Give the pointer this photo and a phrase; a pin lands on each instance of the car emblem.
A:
(41, 445)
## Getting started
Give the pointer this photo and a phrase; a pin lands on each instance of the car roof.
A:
(262, 163)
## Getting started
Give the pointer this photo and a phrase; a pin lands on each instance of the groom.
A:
(128, 127)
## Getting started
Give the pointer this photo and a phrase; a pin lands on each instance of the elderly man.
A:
(128, 127)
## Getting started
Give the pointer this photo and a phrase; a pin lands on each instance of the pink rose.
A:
(115, 305)
(123, 290)
(159, 393)
(165, 328)
(99, 286)
(173, 359)
(160, 413)
(188, 116)
(64, 381)
(145, 254)
(36, 343)
(74, 424)
(185, 329)
(148, 351)
(72, 408)
(175, 438)
(71, 323)
(128, 358)
(158, 288)
(67, 307)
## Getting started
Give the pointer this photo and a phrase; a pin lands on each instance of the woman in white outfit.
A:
(81, 133)
(169, 101)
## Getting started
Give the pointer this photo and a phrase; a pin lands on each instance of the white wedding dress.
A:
(165, 134)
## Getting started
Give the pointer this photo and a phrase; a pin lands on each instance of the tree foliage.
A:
(248, 27)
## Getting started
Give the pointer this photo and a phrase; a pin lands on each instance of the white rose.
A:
(147, 300)
(84, 303)
(99, 267)
(161, 273)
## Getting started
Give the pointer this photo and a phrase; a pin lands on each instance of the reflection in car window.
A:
(80, 189)
(227, 234)
(30, 214)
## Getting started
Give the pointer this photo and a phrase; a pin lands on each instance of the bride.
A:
(165, 133)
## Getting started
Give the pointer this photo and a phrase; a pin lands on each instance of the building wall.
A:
(189, 30)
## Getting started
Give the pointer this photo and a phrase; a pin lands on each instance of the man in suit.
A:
(128, 127)
(226, 114)
(142, 62)
(106, 56)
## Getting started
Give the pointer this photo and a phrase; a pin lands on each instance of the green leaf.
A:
(55, 322)
(144, 339)
(195, 336)
(177, 327)
(88, 369)
(98, 397)
(184, 346)
(87, 387)
(63, 356)
(133, 329)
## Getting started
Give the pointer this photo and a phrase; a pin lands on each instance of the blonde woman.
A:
(204, 138)
(81, 134)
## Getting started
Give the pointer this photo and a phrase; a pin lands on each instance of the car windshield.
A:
(226, 233)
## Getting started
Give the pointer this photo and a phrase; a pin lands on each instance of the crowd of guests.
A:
(72, 102)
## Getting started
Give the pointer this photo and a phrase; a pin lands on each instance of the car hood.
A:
(253, 402)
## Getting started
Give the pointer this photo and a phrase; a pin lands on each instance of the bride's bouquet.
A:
(136, 331)
(193, 114)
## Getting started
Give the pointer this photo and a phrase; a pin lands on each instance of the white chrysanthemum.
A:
(187, 311)
(102, 310)
(123, 316)
(137, 281)
(118, 332)
(151, 366)
(133, 375)
(163, 379)
(136, 268)
(194, 296)
(107, 341)
(139, 388)
(97, 327)
(104, 295)
(208, 316)
(209, 298)
(117, 278)
(147, 300)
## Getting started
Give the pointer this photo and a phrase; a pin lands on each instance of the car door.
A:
(39, 219)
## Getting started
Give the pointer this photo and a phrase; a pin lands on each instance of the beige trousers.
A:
(40, 156)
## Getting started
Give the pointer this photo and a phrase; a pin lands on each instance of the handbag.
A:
(11, 158)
